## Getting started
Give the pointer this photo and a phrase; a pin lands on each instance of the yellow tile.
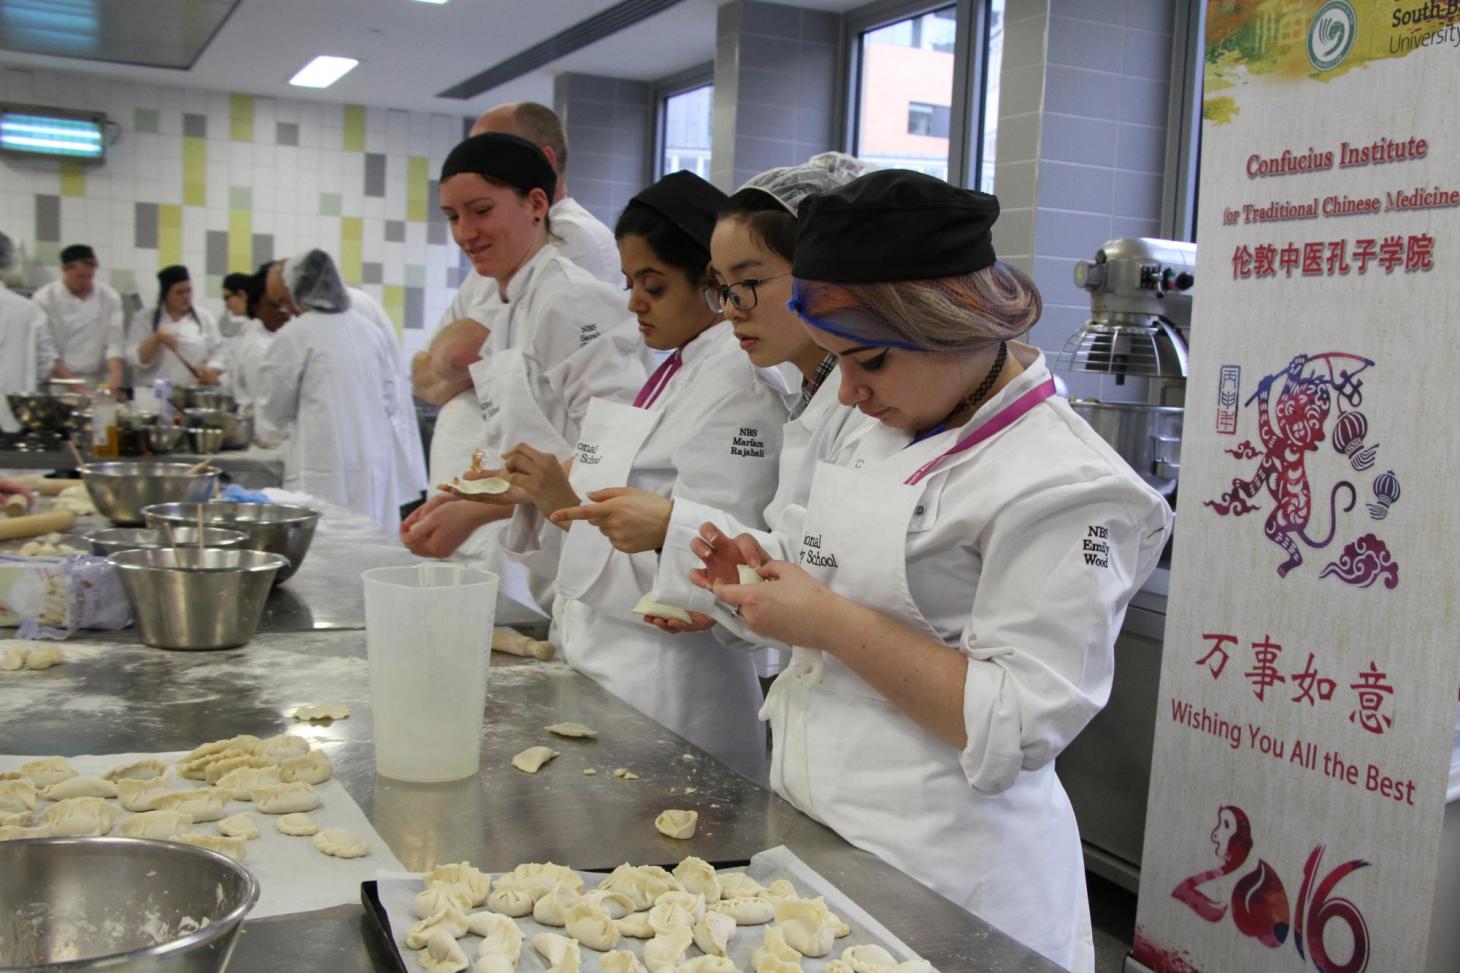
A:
(240, 117)
(355, 128)
(240, 240)
(73, 179)
(394, 300)
(418, 188)
(195, 171)
(352, 232)
(169, 235)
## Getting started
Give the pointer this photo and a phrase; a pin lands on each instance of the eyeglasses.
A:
(741, 295)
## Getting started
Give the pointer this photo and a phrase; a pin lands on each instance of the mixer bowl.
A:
(1148, 437)
(121, 490)
(276, 527)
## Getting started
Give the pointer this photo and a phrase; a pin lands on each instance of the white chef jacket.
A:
(410, 453)
(329, 379)
(86, 333)
(27, 353)
(245, 368)
(584, 239)
(198, 341)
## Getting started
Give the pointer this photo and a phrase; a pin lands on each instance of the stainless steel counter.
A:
(124, 697)
(253, 468)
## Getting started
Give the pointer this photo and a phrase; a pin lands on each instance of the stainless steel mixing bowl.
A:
(121, 490)
(122, 905)
(205, 441)
(275, 527)
(239, 434)
(42, 413)
(113, 539)
(164, 439)
(187, 598)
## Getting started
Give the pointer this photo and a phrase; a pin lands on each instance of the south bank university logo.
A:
(1331, 35)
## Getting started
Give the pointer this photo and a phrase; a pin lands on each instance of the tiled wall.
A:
(222, 182)
(609, 124)
(1082, 136)
(776, 86)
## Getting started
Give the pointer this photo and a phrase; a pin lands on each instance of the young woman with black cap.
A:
(961, 574)
(705, 427)
(557, 338)
(173, 338)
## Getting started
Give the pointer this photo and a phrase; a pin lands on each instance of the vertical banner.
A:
(1310, 666)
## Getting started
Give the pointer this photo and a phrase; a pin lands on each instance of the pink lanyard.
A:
(1000, 421)
(652, 389)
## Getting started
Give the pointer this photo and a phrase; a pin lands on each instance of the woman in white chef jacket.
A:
(706, 427)
(556, 337)
(961, 573)
(166, 339)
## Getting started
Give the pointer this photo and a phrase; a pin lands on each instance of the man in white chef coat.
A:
(410, 458)
(26, 352)
(86, 320)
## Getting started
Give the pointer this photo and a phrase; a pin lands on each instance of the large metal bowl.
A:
(119, 904)
(206, 418)
(113, 539)
(275, 527)
(239, 433)
(164, 439)
(191, 598)
(42, 413)
(121, 490)
(205, 441)
(203, 397)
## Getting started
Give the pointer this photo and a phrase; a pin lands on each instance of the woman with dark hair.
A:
(956, 585)
(705, 427)
(173, 338)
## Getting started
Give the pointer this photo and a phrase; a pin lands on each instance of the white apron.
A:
(689, 683)
(509, 407)
(851, 759)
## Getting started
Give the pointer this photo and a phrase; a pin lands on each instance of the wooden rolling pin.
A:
(16, 505)
(515, 643)
(33, 525)
(45, 487)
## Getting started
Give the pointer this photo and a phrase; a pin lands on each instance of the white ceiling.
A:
(409, 50)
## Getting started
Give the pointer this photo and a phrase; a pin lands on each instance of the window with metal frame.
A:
(685, 118)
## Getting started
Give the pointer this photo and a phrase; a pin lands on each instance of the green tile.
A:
(415, 275)
(147, 120)
(329, 204)
(240, 197)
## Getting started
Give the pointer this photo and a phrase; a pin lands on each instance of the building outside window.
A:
(686, 117)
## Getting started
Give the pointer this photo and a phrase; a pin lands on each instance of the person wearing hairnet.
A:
(953, 626)
(329, 380)
(705, 427)
(558, 339)
(86, 321)
(174, 338)
(410, 454)
(27, 355)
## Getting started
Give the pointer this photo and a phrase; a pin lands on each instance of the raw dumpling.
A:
(202, 805)
(432, 900)
(708, 964)
(677, 824)
(312, 768)
(531, 760)
(510, 898)
(156, 824)
(323, 711)
(620, 961)
(44, 657)
(747, 910)
(591, 926)
(561, 953)
(540, 877)
(575, 730)
(474, 882)
(340, 843)
(738, 883)
(642, 885)
(17, 795)
(282, 747)
(774, 964)
(14, 658)
(551, 908)
(285, 798)
(748, 574)
(44, 773)
(489, 484)
(499, 934)
(81, 817)
(138, 795)
(773, 951)
(656, 609)
(808, 927)
(492, 963)
(712, 933)
(443, 954)
(79, 787)
(698, 875)
(19, 819)
(296, 825)
(675, 910)
(779, 889)
(241, 782)
(15, 833)
(667, 949)
(243, 742)
(451, 920)
(616, 904)
(141, 770)
(635, 926)
(216, 770)
(869, 958)
(241, 825)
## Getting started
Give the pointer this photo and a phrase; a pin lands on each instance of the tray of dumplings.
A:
(271, 804)
(777, 915)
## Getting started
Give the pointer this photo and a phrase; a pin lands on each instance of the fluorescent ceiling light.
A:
(323, 71)
(432, 1)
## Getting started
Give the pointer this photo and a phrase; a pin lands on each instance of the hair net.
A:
(7, 252)
(843, 166)
(788, 185)
(315, 283)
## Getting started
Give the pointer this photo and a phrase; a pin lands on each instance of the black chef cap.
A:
(509, 159)
(236, 283)
(688, 202)
(894, 225)
(78, 251)
(168, 276)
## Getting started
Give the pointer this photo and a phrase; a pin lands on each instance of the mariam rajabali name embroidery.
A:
(747, 442)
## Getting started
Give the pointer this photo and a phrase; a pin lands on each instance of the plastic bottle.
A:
(104, 432)
(162, 400)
